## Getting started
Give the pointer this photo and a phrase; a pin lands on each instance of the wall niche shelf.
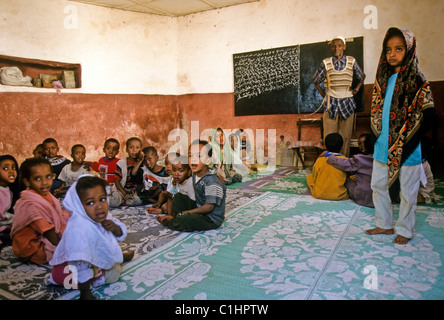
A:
(34, 68)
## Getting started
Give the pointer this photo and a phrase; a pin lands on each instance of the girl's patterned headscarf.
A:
(411, 97)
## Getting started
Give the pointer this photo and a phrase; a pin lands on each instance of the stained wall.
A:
(144, 75)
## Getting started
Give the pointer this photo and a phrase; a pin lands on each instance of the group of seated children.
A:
(336, 177)
(187, 194)
(42, 228)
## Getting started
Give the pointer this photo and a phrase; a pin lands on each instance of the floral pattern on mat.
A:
(27, 281)
(282, 246)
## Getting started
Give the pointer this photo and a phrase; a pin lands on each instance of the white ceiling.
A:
(172, 8)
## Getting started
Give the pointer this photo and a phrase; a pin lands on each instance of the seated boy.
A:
(326, 182)
(208, 211)
(72, 171)
(106, 166)
(125, 184)
(359, 171)
(51, 149)
(155, 178)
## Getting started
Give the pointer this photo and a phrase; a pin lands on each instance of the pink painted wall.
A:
(28, 118)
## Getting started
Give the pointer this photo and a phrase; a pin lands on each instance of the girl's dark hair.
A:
(394, 32)
(15, 186)
(8, 157)
(25, 168)
(89, 182)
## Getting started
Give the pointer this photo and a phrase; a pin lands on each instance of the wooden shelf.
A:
(35, 67)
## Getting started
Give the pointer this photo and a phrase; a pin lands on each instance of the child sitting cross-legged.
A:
(359, 171)
(326, 182)
(208, 210)
(39, 220)
(90, 242)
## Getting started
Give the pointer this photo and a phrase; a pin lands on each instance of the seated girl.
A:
(9, 193)
(39, 220)
(90, 242)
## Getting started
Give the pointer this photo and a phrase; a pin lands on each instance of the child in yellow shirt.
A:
(326, 182)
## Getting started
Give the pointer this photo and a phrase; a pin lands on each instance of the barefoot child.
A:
(208, 211)
(90, 242)
(9, 193)
(402, 107)
(39, 220)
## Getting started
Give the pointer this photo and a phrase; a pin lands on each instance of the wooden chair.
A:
(316, 144)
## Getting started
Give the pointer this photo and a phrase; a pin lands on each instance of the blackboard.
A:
(278, 80)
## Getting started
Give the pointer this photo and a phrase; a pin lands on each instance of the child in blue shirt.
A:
(402, 110)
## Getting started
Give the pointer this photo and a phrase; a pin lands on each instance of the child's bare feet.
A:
(401, 240)
(379, 231)
(128, 255)
(154, 210)
(164, 220)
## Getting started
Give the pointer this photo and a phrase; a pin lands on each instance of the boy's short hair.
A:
(77, 146)
(111, 140)
(333, 142)
(89, 182)
(40, 145)
(133, 139)
(183, 160)
(150, 149)
(50, 140)
(203, 143)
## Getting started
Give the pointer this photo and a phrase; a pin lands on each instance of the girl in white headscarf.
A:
(88, 253)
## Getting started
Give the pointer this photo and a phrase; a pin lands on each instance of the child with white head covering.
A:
(89, 252)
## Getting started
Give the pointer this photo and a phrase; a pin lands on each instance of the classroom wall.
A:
(144, 75)
(207, 41)
(120, 52)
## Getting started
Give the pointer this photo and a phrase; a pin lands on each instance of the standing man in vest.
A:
(339, 105)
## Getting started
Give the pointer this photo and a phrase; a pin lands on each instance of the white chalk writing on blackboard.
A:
(263, 71)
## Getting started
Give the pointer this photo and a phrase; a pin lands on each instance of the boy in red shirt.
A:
(106, 166)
